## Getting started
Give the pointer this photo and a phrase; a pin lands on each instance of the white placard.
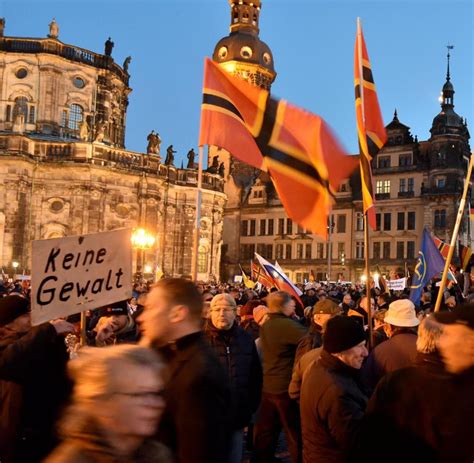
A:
(77, 273)
(397, 285)
(238, 279)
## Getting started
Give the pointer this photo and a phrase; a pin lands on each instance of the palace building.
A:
(417, 184)
(65, 170)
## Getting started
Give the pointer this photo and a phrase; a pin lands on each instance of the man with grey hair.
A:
(237, 353)
(279, 337)
(399, 350)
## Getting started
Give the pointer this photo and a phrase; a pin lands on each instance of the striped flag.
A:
(370, 126)
(246, 280)
(280, 280)
(304, 159)
(442, 246)
(471, 213)
(260, 276)
(465, 253)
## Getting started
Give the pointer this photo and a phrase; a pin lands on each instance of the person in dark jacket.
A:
(332, 399)
(427, 408)
(279, 337)
(33, 382)
(238, 355)
(247, 322)
(196, 421)
(321, 313)
(400, 350)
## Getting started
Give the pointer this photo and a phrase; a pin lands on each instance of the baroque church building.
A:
(65, 170)
(416, 183)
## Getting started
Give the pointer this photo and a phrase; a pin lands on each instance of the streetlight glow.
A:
(15, 264)
(141, 239)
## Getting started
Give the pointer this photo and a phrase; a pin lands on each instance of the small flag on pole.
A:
(304, 159)
(259, 275)
(430, 262)
(246, 280)
(370, 126)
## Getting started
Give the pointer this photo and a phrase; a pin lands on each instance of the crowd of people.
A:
(218, 373)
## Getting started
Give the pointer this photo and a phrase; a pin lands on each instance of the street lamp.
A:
(142, 240)
(15, 265)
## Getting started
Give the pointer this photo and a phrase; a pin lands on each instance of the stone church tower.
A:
(243, 54)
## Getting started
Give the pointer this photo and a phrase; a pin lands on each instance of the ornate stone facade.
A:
(64, 169)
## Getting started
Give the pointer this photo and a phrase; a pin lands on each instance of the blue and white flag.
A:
(430, 262)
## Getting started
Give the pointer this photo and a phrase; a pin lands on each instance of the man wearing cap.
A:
(33, 381)
(332, 400)
(238, 355)
(399, 350)
(426, 408)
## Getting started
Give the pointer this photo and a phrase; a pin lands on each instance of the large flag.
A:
(442, 246)
(280, 280)
(465, 253)
(260, 276)
(370, 126)
(297, 148)
(430, 262)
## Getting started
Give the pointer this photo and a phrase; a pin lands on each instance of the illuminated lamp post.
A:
(142, 240)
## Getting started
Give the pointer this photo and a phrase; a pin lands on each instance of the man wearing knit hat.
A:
(332, 401)
(399, 351)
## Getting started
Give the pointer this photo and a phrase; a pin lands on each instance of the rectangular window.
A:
(378, 221)
(252, 228)
(308, 252)
(400, 221)
(279, 251)
(400, 249)
(359, 249)
(305, 277)
(384, 162)
(263, 227)
(270, 227)
(288, 251)
(387, 221)
(404, 160)
(31, 115)
(359, 221)
(341, 248)
(386, 187)
(299, 278)
(376, 250)
(8, 113)
(289, 227)
(379, 187)
(410, 249)
(341, 223)
(411, 221)
(411, 184)
(269, 251)
(281, 226)
(244, 227)
(440, 218)
(320, 251)
(386, 249)
(261, 249)
(403, 185)
(299, 251)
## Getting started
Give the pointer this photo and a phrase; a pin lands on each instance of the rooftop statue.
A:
(191, 155)
(170, 156)
(154, 142)
(109, 45)
(53, 29)
(126, 63)
(2, 26)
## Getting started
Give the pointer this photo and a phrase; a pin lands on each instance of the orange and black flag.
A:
(370, 126)
(297, 148)
(465, 253)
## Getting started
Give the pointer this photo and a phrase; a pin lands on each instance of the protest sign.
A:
(397, 285)
(77, 273)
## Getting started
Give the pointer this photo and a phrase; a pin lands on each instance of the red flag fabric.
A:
(370, 126)
(260, 276)
(442, 246)
(304, 159)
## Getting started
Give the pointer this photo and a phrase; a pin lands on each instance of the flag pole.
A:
(366, 217)
(454, 236)
(194, 265)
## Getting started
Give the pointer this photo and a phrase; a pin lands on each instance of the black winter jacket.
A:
(196, 422)
(310, 341)
(238, 355)
(332, 406)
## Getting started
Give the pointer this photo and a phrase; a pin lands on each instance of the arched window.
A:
(203, 255)
(21, 107)
(75, 117)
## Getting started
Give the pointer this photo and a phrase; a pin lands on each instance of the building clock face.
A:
(21, 73)
(79, 82)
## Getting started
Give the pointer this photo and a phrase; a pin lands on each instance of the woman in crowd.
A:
(116, 405)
